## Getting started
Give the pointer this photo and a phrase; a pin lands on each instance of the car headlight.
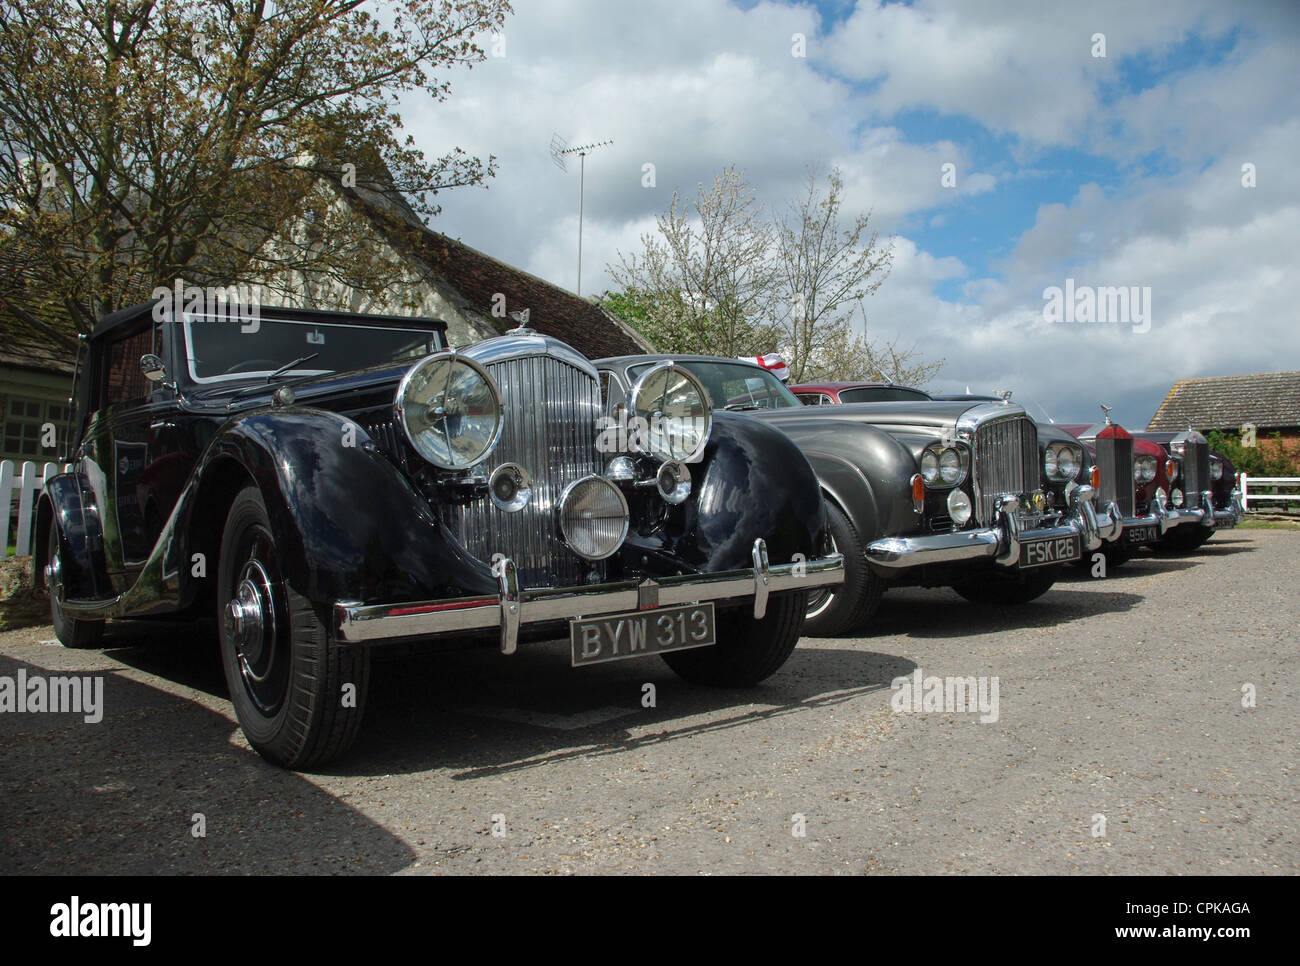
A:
(1178, 498)
(1162, 498)
(1216, 469)
(593, 517)
(1144, 469)
(943, 465)
(1061, 461)
(450, 410)
(959, 507)
(672, 412)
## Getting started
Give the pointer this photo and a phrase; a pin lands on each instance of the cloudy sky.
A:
(1116, 170)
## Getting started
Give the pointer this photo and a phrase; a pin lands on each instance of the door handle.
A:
(162, 424)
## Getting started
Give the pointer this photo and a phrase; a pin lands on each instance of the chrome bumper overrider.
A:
(1000, 541)
(1206, 515)
(510, 608)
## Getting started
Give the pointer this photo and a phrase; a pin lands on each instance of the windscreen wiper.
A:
(291, 365)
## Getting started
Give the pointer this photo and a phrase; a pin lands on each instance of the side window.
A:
(810, 400)
(826, 400)
(122, 379)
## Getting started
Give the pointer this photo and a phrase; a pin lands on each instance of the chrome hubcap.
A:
(249, 619)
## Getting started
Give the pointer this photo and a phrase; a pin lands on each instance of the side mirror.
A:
(152, 367)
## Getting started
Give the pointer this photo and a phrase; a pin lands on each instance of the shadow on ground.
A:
(120, 796)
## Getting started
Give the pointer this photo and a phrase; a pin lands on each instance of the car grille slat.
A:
(1196, 471)
(1006, 461)
(1115, 459)
(550, 410)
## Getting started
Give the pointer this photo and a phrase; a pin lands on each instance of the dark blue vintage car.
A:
(324, 482)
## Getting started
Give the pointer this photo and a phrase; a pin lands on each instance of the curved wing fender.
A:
(68, 503)
(347, 523)
(751, 482)
(865, 470)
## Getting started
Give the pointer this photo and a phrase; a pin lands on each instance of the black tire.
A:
(287, 679)
(835, 610)
(748, 650)
(1185, 539)
(1008, 590)
(71, 632)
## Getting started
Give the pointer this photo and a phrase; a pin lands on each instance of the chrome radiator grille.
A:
(1006, 461)
(550, 411)
(1115, 460)
(1196, 471)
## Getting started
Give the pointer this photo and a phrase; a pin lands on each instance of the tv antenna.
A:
(559, 149)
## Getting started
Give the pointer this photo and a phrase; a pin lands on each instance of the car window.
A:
(882, 394)
(123, 380)
(809, 398)
(735, 386)
(219, 350)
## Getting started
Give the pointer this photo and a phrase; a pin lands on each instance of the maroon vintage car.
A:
(835, 393)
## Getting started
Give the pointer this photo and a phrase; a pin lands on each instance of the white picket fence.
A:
(1279, 483)
(28, 480)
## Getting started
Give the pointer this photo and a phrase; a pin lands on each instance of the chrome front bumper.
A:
(1206, 515)
(511, 608)
(1000, 541)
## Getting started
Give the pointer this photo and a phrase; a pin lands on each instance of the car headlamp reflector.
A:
(929, 466)
(1178, 497)
(673, 413)
(950, 468)
(593, 517)
(510, 487)
(959, 507)
(450, 410)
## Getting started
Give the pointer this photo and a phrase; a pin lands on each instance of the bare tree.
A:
(145, 141)
(703, 282)
(825, 271)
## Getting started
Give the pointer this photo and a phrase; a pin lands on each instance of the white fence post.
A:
(1245, 493)
(29, 483)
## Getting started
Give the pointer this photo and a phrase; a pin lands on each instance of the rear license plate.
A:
(1042, 553)
(1141, 534)
(616, 637)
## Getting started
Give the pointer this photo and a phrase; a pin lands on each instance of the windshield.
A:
(735, 386)
(882, 394)
(220, 350)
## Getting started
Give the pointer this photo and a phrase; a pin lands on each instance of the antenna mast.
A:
(560, 148)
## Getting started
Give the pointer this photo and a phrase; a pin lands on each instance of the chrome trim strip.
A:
(361, 623)
(762, 577)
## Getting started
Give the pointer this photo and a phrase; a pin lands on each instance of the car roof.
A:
(837, 386)
(624, 361)
(126, 320)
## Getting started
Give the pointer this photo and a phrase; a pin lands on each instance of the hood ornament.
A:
(522, 318)
(1106, 412)
(1005, 394)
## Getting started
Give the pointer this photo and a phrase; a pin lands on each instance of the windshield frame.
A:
(192, 376)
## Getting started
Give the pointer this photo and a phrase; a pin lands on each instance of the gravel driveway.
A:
(1120, 745)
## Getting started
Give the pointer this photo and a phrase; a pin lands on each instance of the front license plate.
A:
(615, 637)
(1141, 534)
(1041, 553)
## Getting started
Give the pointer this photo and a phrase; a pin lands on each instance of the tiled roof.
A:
(19, 344)
(480, 278)
(1270, 400)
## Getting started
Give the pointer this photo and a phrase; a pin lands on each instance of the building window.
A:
(24, 421)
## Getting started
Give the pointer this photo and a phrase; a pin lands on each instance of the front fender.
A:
(866, 470)
(750, 482)
(68, 504)
(348, 524)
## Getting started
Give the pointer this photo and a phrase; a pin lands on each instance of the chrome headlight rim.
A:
(1144, 469)
(634, 406)
(563, 502)
(960, 508)
(522, 483)
(935, 474)
(401, 409)
(1053, 468)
